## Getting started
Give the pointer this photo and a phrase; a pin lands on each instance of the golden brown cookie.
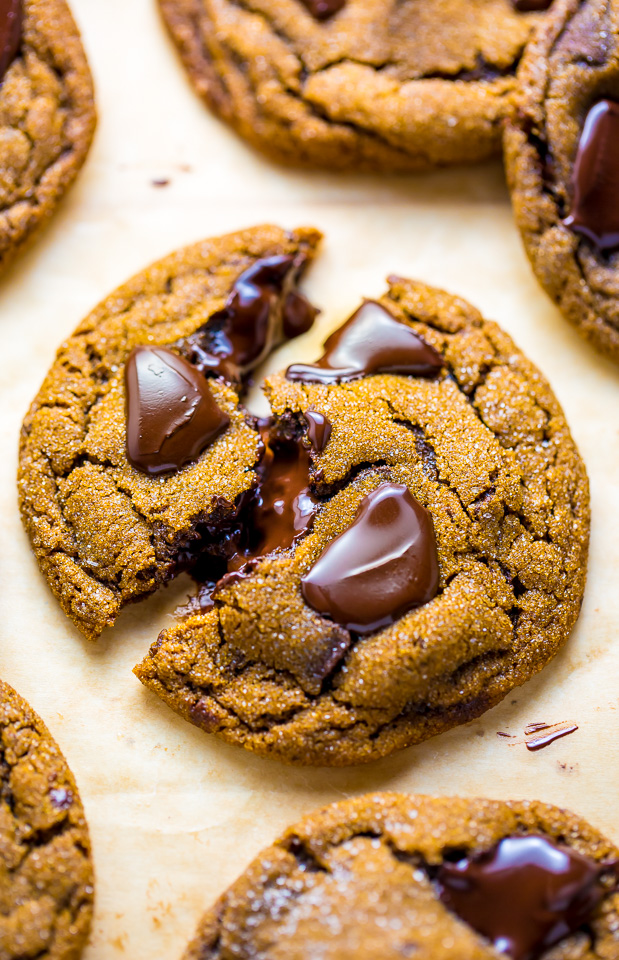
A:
(47, 115)
(561, 152)
(396, 876)
(46, 877)
(105, 532)
(357, 84)
(298, 655)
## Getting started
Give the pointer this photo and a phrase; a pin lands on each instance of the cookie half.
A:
(46, 876)
(107, 530)
(47, 115)
(357, 84)
(416, 546)
(561, 152)
(393, 876)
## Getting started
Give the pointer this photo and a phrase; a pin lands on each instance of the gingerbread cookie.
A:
(561, 150)
(393, 876)
(46, 880)
(414, 546)
(357, 84)
(129, 458)
(47, 115)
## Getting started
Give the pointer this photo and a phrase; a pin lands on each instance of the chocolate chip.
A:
(595, 180)
(318, 429)
(172, 415)
(384, 564)
(323, 9)
(525, 894)
(11, 23)
(371, 341)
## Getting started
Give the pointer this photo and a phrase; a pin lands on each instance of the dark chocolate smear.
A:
(525, 894)
(318, 429)
(595, 179)
(323, 9)
(260, 311)
(284, 506)
(172, 415)
(544, 739)
(371, 341)
(530, 6)
(384, 564)
(11, 24)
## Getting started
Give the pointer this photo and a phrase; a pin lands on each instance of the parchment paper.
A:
(175, 815)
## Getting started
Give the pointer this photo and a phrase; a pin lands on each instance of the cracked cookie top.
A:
(561, 150)
(360, 84)
(393, 876)
(46, 881)
(279, 656)
(105, 528)
(47, 115)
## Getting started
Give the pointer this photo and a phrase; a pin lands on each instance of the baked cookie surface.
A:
(46, 877)
(360, 84)
(373, 877)
(294, 653)
(104, 532)
(561, 149)
(47, 116)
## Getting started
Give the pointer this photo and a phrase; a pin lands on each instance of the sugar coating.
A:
(46, 877)
(355, 880)
(486, 449)
(399, 86)
(572, 62)
(47, 120)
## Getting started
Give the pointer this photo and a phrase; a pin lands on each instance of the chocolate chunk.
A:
(595, 180)
(263, 308)
(318, 429)
(530, 6)
(11, 23)
(172, 415)
(371, 341)
(298, 315)
(323, 9)
(384, 564)
(284, 506)
(525, 894)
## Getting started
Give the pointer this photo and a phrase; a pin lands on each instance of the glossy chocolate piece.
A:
(318, 429)
(323, 9)
(531, 6)
(262, 309)
(284, 505)
(525, 894)
(172, 415)
(11, 26)
(298, 315)
(595, 179)
(384, 564)
(371, 341)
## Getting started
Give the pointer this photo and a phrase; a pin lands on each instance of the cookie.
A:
(46, 877)
(108, 521)
(357, 84)
(561, 149)
(47, 115)
(415, 548)
(393, 876)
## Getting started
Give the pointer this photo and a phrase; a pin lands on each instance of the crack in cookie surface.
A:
(508, 495)
(381, 85)
(46, 885)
